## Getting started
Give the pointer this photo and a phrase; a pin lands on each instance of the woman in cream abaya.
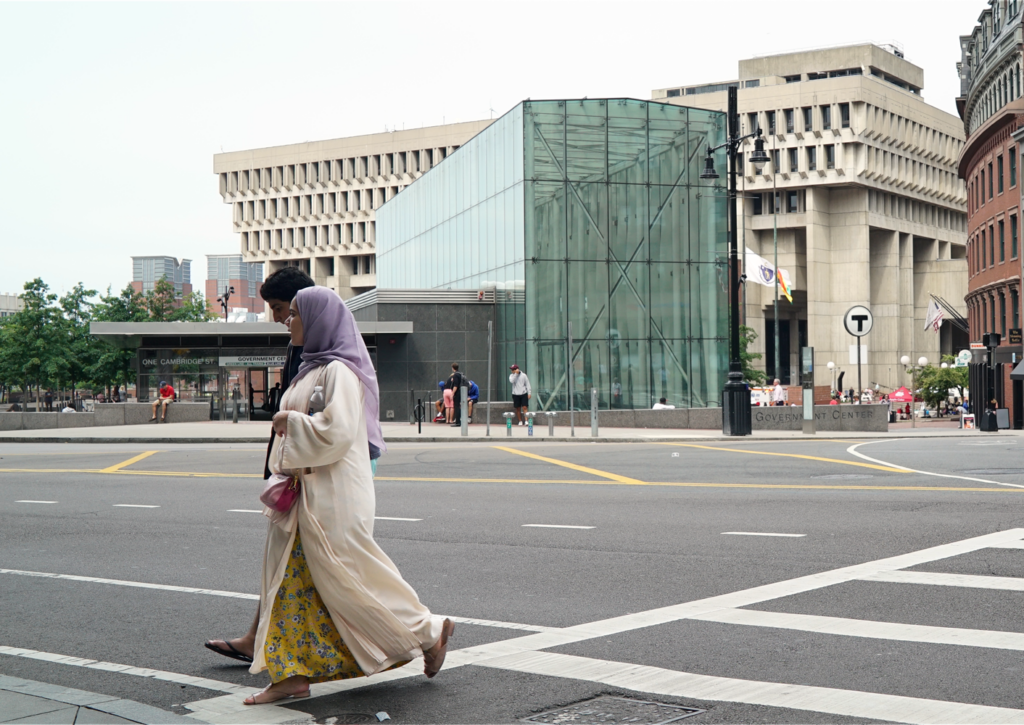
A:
(333, 605)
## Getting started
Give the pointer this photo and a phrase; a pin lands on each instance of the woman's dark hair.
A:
(285, 283)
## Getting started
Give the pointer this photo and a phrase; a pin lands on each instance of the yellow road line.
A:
(50, 470)
(488, 480)
(118, 466)
(790, 455)
(573, 466)
(191, 474)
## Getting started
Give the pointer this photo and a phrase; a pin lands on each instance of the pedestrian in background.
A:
(455, 382)
(333, 605)
(521, 392)
(48, 399)
(449, 402)
(778, 393)
(474, 398)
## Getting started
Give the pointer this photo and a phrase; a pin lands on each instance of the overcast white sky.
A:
(112, 112)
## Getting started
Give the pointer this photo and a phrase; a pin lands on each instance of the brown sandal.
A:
(432, 661)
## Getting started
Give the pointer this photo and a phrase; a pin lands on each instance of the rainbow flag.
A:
(783, 286)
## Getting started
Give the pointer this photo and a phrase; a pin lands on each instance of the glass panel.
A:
(628, 308)
(627, 141)
(627, 232)
(670, 372)
(586, 137)
(670, 301)
(669, 236)
(545, 140)
(630, 374)
(545, 220)
(668, 144)
(588, 221)
(588, 299)
(546, 315)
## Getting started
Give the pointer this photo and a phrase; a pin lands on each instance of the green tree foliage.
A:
(111, 365)
(194, 308)
(163, 306)
(934, 382)
(74, 346)
(29, 339)
(751, 374)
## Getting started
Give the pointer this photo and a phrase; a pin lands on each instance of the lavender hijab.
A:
(329, 332)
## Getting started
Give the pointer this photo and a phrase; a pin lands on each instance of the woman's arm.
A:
(324, 438)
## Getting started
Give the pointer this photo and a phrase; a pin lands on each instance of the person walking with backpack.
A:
(455, 382)
(521, 392)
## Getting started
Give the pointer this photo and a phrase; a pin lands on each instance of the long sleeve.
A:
(325, 438)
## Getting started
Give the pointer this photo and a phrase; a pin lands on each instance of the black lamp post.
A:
(223, 299)
(736, 395)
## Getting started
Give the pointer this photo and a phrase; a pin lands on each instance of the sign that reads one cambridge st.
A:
(252, 361)
(858, 322)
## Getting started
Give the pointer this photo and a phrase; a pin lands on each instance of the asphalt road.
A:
(582, 610)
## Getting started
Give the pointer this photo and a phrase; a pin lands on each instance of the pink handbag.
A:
(280, 492)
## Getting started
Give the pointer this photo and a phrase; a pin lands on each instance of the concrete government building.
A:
(864, 189)
(313, 205)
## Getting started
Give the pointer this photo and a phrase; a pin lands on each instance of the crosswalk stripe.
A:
(869, 629)
(659, 681)
(1010, 583)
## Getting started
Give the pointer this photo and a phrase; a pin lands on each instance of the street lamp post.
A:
(921, 362)
(736, 395)
(832, 369)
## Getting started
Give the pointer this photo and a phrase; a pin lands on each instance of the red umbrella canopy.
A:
(901, 395)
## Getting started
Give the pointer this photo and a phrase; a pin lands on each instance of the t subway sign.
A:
(858, 320)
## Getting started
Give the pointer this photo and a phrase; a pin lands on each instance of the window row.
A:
(989, 313)
(917, 135)
(313, 204)
(988, 241)
(1004, 87)
(904, 168)
(799, 120)
(779, 202)
(985, 186)
(322, 235)
(358, 167)
(919, 212)
(795, 160)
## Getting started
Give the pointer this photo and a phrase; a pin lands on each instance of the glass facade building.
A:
(588, 217)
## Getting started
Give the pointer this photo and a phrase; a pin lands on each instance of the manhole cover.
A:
(607, 709)
(844, 476)
(995, 472)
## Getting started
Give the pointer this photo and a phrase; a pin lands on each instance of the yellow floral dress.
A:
(302, 639)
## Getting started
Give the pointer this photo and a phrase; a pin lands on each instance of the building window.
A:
(789, 120)
(1002, 241)
(812, 158)
(770, 118)
(1013, 237)
(752, 122)
(984, 262)
(826, 117)
(808, 116)
(791, 202)
(758, 205)
(830, 157)
(1013, 167)
(999, 168)
(991, 184)
(982, 190)
(1002, 315)
(992, 246)
(844, 114)
(776, 155)
(794, 162)
(1015, 307)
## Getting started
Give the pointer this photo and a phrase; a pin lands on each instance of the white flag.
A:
(760, 270)
(933, 319)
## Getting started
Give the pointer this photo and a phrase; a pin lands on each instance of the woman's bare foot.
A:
(433, 658)
(294, 687)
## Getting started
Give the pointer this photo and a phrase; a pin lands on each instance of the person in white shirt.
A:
(521, 392)
(778, 393)
(662, 404)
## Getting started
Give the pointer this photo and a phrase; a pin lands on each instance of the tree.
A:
(194, 308)
(751, 374)
(935, 382)
(31, 339)
(160, 301)
(111, 365)
(73, 358)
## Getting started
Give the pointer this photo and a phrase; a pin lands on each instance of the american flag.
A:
(933, 320)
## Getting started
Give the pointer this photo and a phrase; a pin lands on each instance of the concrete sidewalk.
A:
(226, 432)
(27, 701)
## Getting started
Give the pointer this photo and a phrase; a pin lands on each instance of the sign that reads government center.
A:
(252, 361)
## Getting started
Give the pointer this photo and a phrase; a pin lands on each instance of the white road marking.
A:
(1010, 583)
(1009, 545)
(555, 526)
(655, 680)
(135, 506)
(523, 653)
(868, 629)
(206, 684)
(26, 501)
(139, 585)
(853, 451)
(393, 518)
(503, 625)
(245, 511)
(758, 533)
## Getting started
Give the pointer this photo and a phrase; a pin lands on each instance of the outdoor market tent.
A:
(901, 395)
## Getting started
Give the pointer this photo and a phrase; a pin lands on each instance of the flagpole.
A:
(775, 261)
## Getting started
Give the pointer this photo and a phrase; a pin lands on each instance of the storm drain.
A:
(608, 709)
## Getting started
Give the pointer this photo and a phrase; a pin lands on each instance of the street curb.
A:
(119, 707)
(953, 433)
